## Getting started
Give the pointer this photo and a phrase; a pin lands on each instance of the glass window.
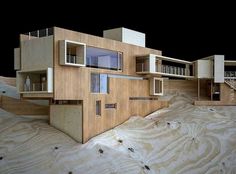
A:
(95, 83)
(103, 58)
(103, 83)
(158, 86)
(99, 83)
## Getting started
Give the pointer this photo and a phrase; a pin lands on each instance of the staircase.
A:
(231, 83)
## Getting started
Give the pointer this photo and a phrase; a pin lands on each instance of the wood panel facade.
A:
(188, 87)
(73, 83)
(22, 107)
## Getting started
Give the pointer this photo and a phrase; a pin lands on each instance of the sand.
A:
(180, 139)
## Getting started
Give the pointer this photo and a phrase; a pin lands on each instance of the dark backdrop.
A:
(187, 31)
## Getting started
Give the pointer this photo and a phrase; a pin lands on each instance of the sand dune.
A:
(180, 139)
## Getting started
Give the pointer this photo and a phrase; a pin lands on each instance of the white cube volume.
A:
(126, 35)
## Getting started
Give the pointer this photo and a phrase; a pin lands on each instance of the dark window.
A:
(103, 58)
(98, 107)
(110, 106)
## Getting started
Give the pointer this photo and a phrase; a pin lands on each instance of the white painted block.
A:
(219, 69)
(133, 37)
(50, 79)
(152, 63)
(126, 35)
(204, 68)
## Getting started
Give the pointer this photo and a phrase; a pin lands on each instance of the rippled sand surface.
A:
(180, 139)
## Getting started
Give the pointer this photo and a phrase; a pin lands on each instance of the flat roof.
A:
(230, 62)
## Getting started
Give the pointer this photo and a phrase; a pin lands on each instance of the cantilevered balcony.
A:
(164, 66)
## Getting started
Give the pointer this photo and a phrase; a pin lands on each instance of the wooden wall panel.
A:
(21, 107)
(145, 107)
(63, 73)
(228, 95)
(181, 86)
(8, 80)
(120, 90)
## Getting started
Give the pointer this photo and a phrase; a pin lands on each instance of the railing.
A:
(173, 70)
(36, 87)
(141, 67)
(230, 74)
(39, 33)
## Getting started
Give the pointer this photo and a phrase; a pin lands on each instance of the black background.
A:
(186, 30)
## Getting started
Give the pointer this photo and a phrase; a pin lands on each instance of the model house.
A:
(96, 83)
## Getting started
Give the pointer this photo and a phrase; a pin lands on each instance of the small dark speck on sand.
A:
(120, 141)
(3, 92)
(1, 157)
(70, 172)
(56, 148)
(147, 167)
(131, 149)
(168, 123)
(223, 163)
(100, 151)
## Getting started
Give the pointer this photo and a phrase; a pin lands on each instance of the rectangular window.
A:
(75, 53)
(99, 83)
(103, 58)
(72, 53)
(98, 108)
(156, 86)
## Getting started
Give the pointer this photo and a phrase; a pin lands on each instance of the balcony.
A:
(72, 53)
(38, 34)
(35, 83)
(164, 66)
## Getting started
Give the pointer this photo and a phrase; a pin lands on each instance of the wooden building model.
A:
(96, 83)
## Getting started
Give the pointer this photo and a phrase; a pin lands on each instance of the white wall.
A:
(204, 69)
(126, 35)
(219, 69)
(152, 63)
(133, 37)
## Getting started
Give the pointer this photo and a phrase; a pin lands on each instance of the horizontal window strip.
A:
(143, 98)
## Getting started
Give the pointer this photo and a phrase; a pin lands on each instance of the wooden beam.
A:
(211, 89)
(198, 89)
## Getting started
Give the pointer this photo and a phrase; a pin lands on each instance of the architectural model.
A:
(96, 83)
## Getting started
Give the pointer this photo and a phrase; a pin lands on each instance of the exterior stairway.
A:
(232, 84)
